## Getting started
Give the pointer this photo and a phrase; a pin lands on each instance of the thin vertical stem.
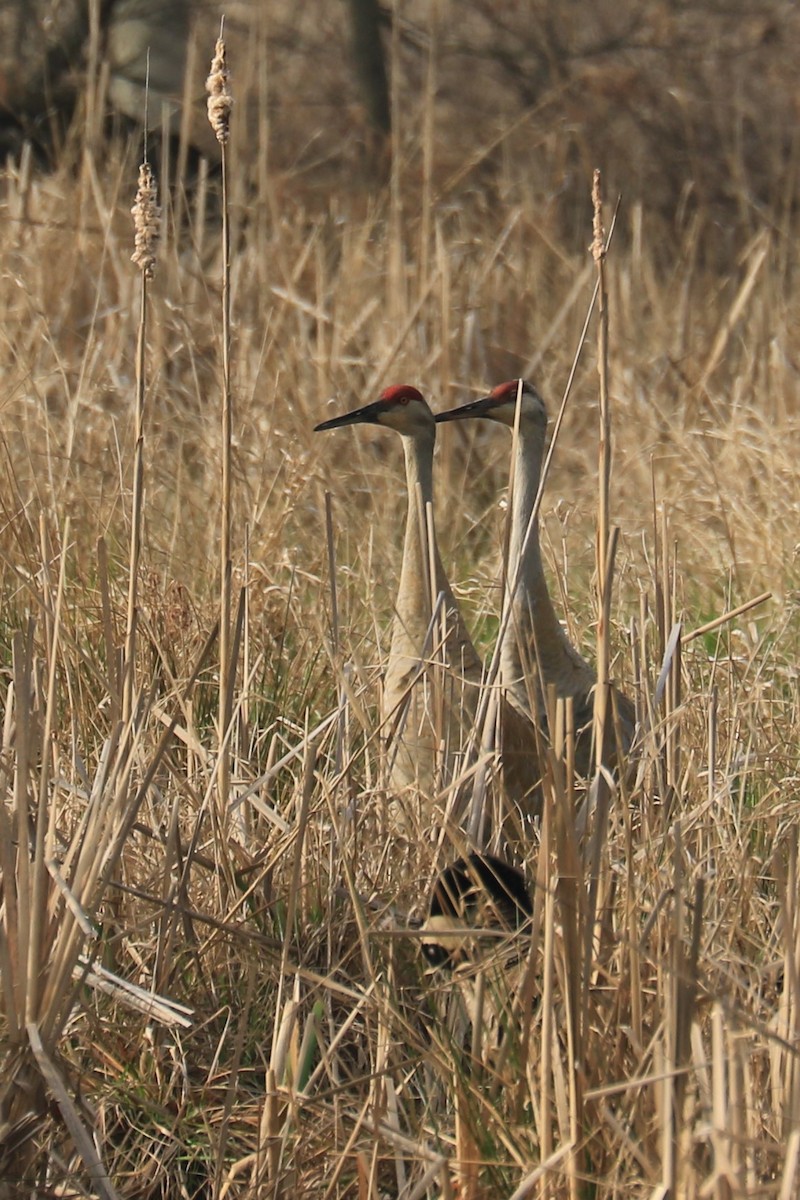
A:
(147, 227)
(136, 513)
(428, 141)
(225, 665)
(38, 905)
(604, 476)
(220, 103)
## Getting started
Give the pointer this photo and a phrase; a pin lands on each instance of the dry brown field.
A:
(210, 982)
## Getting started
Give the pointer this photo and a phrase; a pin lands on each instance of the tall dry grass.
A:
(192, 1008)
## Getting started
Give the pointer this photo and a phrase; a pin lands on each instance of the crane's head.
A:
(479, 894)
(399, 407)
(501, 405)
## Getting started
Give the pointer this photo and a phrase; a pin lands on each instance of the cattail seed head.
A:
(598, 246)
(220, 100)
(146, 222)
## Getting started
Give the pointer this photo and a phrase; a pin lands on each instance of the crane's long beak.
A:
(368, 415)
(477, 408)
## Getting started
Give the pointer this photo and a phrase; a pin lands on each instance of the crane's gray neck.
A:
(533, 622)
(418, 451)
(417, 554)
(522, 556)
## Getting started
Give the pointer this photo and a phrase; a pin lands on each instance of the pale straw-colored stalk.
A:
(220, 103)
(603, 548)
(147, 224)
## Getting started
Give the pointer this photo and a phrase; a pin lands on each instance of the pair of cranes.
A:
(536, 655)
(431, 713)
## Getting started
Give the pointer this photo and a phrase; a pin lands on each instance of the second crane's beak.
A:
(370, 414)
(477, 408)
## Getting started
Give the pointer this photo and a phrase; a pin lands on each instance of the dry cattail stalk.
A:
(220, 100)
(220, 103)
(146, 221)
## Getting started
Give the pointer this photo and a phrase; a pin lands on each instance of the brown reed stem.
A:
(129, 668)
(146, 222)
(225, 665)
(604, 475)
(219, 109)
(42, 834)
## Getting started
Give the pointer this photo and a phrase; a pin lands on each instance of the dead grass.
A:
(312, 1058)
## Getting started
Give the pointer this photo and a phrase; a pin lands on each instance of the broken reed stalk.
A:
(146, 223)
(220, 103)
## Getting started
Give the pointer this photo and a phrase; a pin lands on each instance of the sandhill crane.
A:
(408, 697)
(479, 912)
(410, 703)
(477, 894)
(535, 646)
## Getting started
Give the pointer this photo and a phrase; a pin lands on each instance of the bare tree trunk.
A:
(370, 64)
